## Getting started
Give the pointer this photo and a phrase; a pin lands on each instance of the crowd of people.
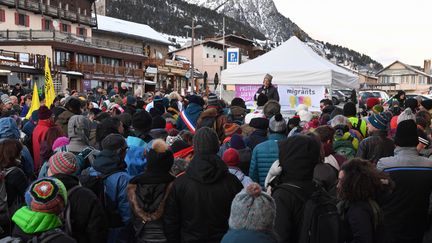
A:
(159, 167)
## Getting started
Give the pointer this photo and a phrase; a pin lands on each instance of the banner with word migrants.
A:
(292, 96)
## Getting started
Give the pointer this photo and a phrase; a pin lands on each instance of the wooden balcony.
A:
(107, 70)
(55, 12)
(166, 62)
(33, 60)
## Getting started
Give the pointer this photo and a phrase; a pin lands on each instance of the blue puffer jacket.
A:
(116, 184)
(193, 111)
(263, 157)
(247, 236)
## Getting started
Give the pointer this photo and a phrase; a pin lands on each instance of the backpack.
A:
(4, 208)
(97, 185)
(345, 148)
(321, 222)
(67, 211)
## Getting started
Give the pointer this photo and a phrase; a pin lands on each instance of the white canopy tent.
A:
(292, 63)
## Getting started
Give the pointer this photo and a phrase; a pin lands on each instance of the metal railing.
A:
(97, 68)
(39, 7)
(65, 37)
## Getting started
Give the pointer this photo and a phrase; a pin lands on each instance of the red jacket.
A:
(38, 136)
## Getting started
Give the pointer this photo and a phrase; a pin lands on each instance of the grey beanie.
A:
(277, 124)
(407, 114)
(205, 141)
(271, 108)
(252, 209)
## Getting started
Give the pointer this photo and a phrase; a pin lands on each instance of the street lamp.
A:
(192, 47)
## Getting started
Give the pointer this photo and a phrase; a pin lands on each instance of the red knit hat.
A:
(44, 113)
(231, 157)
(371, 102)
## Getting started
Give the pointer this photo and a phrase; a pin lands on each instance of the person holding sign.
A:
(268, 89)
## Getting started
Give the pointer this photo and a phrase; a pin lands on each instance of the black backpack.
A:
(97, 185)
(321, 222)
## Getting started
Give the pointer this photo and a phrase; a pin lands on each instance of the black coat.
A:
(198, 206)
(271, 92)
(89, 221)
(361, 224)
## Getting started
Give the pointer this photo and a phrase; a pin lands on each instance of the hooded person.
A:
(72, 107)
(405, 209)
(188, 118)
(79, 128)
(135, 156)
(189, 198)
(268, 89)
(377, 145)
(271, 108)
(45, 122)
(9, 129)
(350, 111)
(88, 220)
(267, 152)
(110, 164)
(232, 159)
(412, 103)
(298, 156)
(39, 219)
(252, 217)
(148, 192)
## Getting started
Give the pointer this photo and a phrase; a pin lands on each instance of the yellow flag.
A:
(49, 86)
(35, 102)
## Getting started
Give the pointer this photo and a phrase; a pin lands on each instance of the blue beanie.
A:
(130, 100)
(379, 121)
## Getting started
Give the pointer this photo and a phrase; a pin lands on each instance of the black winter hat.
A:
(406, 134)
(196, 99)
(179, 145)
(158, 122)
(74, 105)
(411, 103)
(238, 102)
(142, 121)
(113, 142)
(159, 158)
(259, 123)
(349, 109)
(427, 104)
(298, 156)
(205, 141)
(262, 99)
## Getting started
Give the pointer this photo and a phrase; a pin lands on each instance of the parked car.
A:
(366, 94)
(341, 95)
(408, 96)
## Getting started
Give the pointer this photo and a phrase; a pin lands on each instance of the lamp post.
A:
(193, 27)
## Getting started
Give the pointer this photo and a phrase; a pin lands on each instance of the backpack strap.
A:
(67, 212)
(294, 189)
(377, 213)
(48, 236)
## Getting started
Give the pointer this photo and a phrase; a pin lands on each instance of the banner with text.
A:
(292, 96)
(247, 92)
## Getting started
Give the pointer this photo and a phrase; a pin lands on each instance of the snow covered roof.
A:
(406, 66)
(130, 28)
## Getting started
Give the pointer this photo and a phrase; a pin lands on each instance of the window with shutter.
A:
(16, 18)
(22, 19)
(27, 21)
(2, 15)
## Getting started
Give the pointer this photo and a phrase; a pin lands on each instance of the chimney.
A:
(427, 66)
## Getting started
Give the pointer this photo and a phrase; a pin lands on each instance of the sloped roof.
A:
(406, 66)
(124, 27)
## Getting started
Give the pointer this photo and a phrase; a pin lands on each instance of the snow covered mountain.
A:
(260, 14)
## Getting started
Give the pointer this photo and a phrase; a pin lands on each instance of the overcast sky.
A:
(386, 30)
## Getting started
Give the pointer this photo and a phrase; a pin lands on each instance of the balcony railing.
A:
(35, 60)
(20, 35)
(102, 69)
(38, 7)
